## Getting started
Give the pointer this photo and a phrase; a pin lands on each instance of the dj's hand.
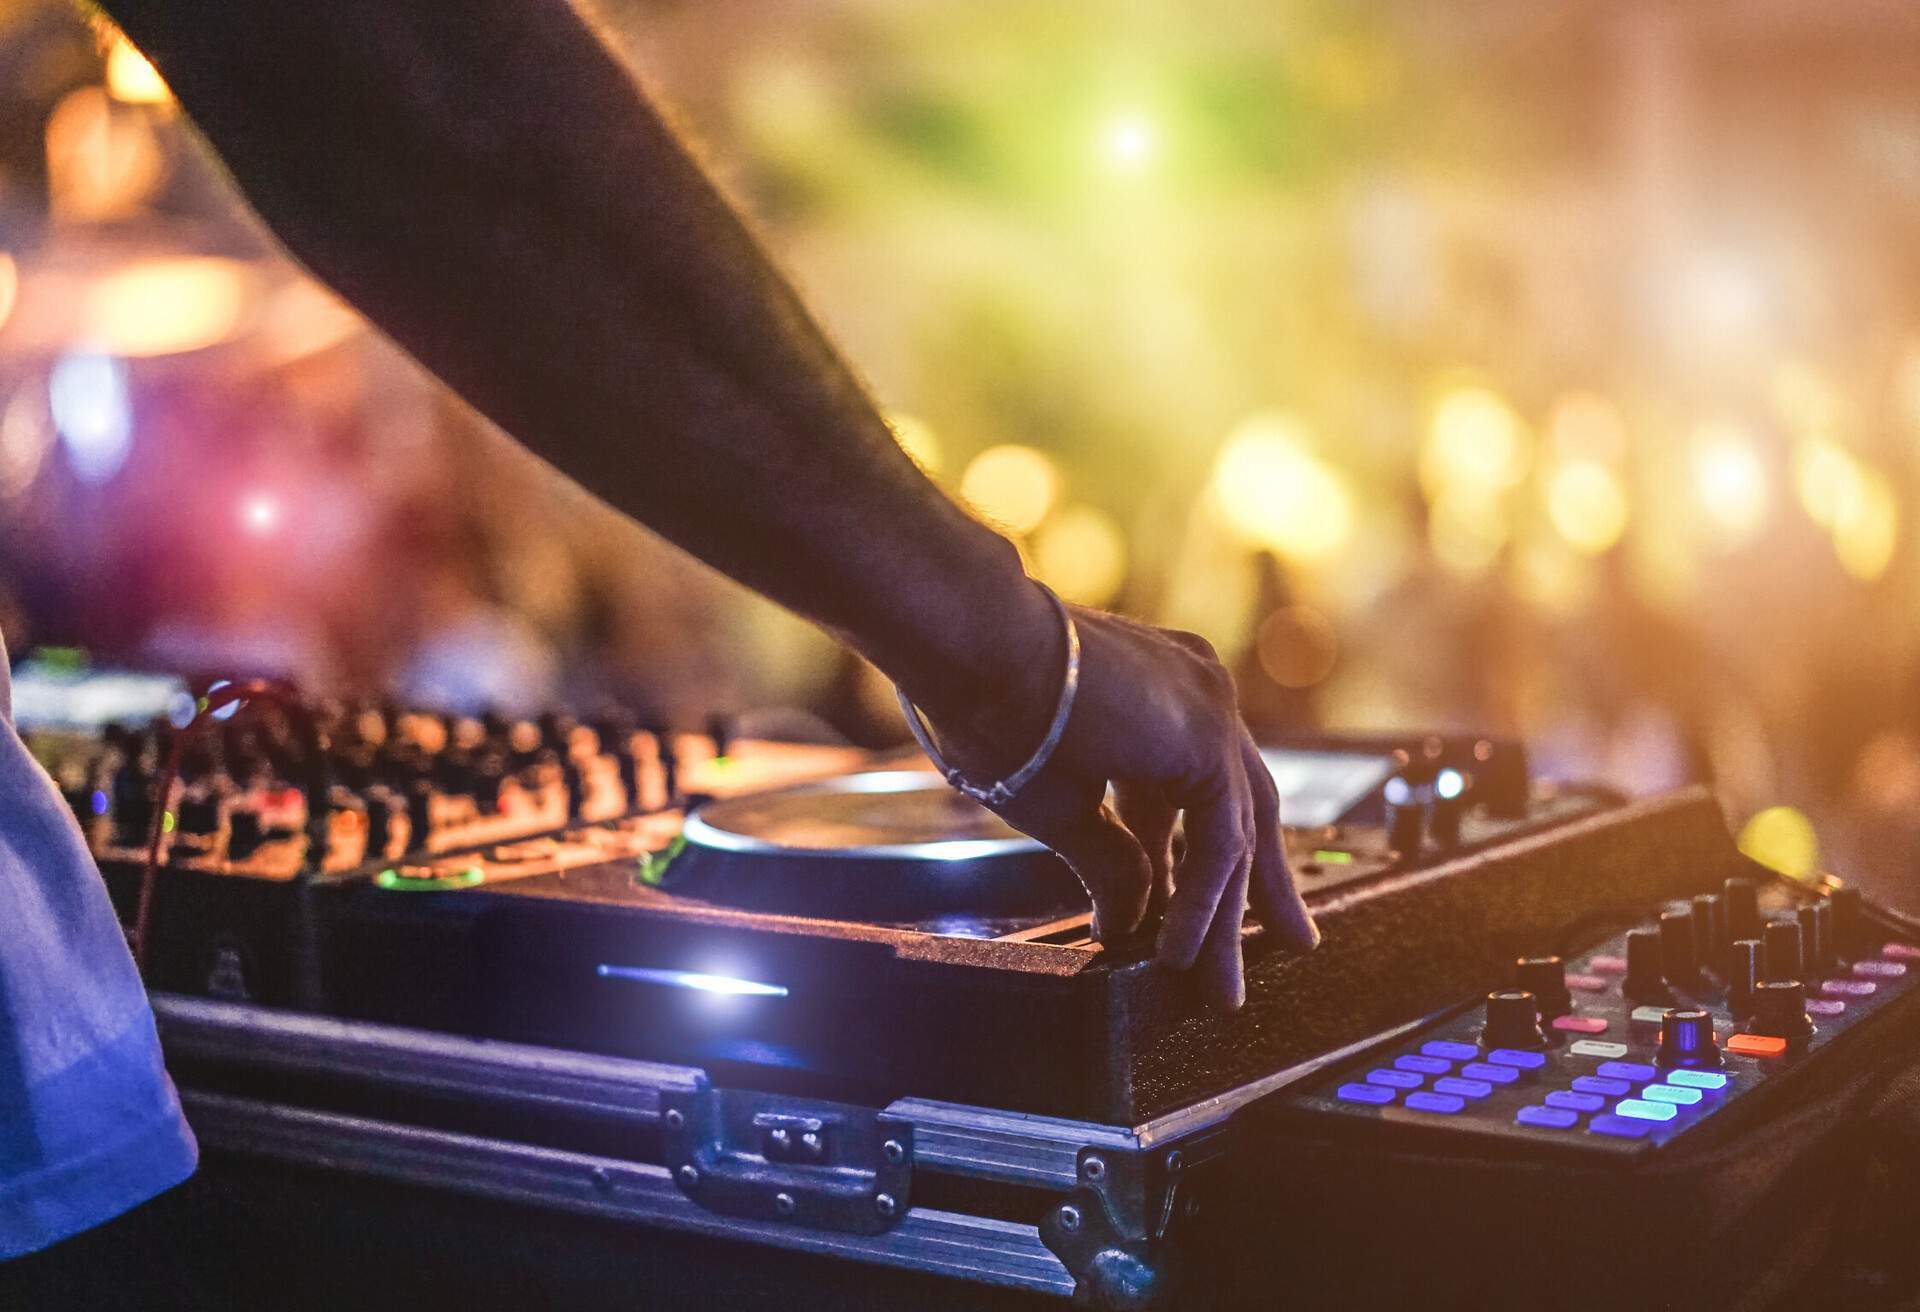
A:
(1156, 716)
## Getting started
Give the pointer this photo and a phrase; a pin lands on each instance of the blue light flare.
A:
(726, 985)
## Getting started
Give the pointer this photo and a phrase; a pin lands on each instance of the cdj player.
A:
(838, 1010)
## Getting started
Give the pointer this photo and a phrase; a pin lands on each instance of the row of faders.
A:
(1627, 1047)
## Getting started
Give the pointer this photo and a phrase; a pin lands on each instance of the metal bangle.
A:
(1002, 791)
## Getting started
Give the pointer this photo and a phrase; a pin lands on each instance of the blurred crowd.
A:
(1549, 371)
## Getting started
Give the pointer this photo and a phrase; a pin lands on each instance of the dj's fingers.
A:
(1219, 816)
(1144, 809)
(1106, 858)
(1220, 968)
(1276, 901)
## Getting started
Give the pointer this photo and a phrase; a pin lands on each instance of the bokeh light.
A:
(103, 159)
(1011, 485)
(92, 413)
(165, 306)
(1587, 504)
(1128, 142)
(1866, 526)
(1466, 530)
(1277, 495)
(1783, 839)
(1585, 426)
(1730, 481)
(1475, 441)
(917, 438)
(130, 78)
(1081, 554)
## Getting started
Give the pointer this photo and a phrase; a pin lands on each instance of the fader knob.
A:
(1546, 979)
(1816, 938)
(1780, 1010)
(1644, 982)
(1846, 926)
(1742, 898)
(1678, 959)
(1745, 969)
(1513, 1020)
(1686, 1039)
(1709, 930)
(1783, 949)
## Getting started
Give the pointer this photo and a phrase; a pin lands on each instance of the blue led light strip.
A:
(687, 979)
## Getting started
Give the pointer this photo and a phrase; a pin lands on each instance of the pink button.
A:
(1595, 984)
(1580, 1024)
(1900, 952)
(1824, 1007)
(1618, 965)
(1879, 969)
(1848, 988)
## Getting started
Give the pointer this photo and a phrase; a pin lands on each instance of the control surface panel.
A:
(1625, 1048)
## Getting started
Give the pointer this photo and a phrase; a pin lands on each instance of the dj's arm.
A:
(487, 184)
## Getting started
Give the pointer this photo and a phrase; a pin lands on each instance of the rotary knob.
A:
(1780, 1010)
(1546, 979)
(1816, 935)
(1845, 902)
(1745, 970)
(1783, 949)
(1513, 1020)
(1742, 899)
(1686, 1039)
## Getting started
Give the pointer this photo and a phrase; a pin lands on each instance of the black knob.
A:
(1745, 969)
(1709, 930)
(1678, 959)
(1546, 979)
(1816, 935)
(1782, 938)
(1406, 818)
(1847, 924)
(1644, 982)
(1513, 1020)
(1686, 1039)
(1742, 900)
(1780, 1010)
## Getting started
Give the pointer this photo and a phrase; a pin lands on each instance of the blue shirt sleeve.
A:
(89, 1123)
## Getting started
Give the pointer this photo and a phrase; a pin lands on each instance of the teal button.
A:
(1597, 1048)
(1698, 1079)
(1640, 1110)
(1671, 1093)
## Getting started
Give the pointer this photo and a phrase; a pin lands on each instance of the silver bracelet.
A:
(1005, 790)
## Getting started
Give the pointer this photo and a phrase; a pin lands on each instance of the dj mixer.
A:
(808, 1000)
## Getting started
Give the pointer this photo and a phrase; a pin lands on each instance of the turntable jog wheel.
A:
(885, 846)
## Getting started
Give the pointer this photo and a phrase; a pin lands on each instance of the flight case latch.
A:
(827, 1166)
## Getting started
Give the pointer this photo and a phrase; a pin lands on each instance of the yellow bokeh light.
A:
(102, 159)
(1081, 554)
(1583, 426)
(9, 286)
(1866, 527)
(1587, 505)
(165, 306)
(1128, 142)
(1730, 481)
(1825, 478)
(917, 439)
(1466, 531)
(130, 78)
(1782, 839)
(1476, 441)
(1013, 486)
(1277, 495)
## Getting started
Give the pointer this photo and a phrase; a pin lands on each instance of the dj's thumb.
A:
(1113, 867)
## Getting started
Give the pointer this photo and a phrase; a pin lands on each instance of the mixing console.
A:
(1626, 1048)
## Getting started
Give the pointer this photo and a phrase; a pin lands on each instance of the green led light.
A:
(166, 823)
(399, 883)
(1328, 856)
(651, 869)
